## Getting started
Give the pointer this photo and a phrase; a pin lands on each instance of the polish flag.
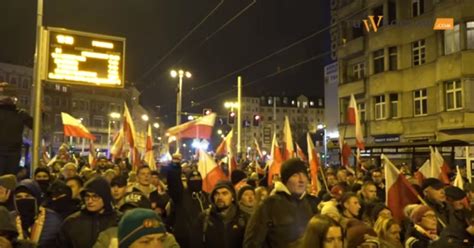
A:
(423, 172)
(399, 192)
(225, 146)
(201, 128)
(275, 161)
(313, 164)
(211, 173)
(439, 167)
(149, 157)
(289, 151)
(300, 153)
(354, 119)
(117, 147)
(131, 137)
(73, 127)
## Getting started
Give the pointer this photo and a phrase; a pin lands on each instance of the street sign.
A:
(85, 58)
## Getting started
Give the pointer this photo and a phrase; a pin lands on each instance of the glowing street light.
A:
(156, 125)
(219, 131)
(145, 117)
(180, 74)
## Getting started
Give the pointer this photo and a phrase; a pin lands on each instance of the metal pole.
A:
(325, 148)
(108, 138)
(239, 115)
(178, 106)
(37, 88)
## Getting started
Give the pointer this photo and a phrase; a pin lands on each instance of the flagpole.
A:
(239, 115)
(324, 179)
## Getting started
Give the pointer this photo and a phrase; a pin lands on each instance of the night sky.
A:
(153, 27)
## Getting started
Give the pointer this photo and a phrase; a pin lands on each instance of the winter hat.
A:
(222, 184)
(454, 193)
(137, 223)
(418, 213)
(193, 173)
(291, 167)
(237, 175)
(42, 169)
(135, 199)
(432, 182)
(356, 231)
(243, 189)
(8, 181)
(29, 186)
(57, 188)
(119, 181)
(101, 187)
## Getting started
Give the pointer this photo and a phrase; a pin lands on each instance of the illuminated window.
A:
(420, 100)
(454, 95)
(380, 107)
(451, 40)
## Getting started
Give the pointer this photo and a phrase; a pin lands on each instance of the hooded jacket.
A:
(213, 229)
(82, 228)
(279, 221)
(12, 122)
(52, 220)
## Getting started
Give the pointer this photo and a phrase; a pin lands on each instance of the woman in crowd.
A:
(423, 232)
(324, 232)
(388, 232)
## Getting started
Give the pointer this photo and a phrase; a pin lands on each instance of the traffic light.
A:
(256, 120)
(231, 118)
(206, 111)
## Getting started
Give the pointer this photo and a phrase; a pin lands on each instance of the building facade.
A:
(90, 104)
(411, 83)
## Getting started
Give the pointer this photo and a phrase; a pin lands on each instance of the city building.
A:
(413, 84)
(92, 105)
(262, 116)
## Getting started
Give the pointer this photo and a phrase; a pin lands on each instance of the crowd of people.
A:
(68, 203)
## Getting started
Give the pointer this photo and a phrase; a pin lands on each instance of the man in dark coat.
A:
(82, 228)
(187, 201)
(435, 197)
(12, 122)
(281, 219)
(223, 225)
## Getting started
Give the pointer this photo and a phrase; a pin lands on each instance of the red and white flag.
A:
(149, 156)
(131, 136)
(225, 146)
(211, 173)
(73, 127)
(345, 151)
(353, 118)
(201, 128)
(458, 181)
(117, 146)
(300, 153)
(423, 172)
(92, 157)
(313, 165)
(439, 167)
(289, 151)
(399, 192)
(275, 161)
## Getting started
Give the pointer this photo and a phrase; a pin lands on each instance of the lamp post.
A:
(323, 127)
(113, 116)
(180, 74)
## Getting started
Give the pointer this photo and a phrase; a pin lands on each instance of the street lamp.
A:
(180, 74)
(231, 105)
(156, 125)
(219, 131)
(113, 116)
(323, 127)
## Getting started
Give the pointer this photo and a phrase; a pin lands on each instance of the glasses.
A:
(93, 197)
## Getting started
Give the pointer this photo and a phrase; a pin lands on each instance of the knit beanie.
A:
(418, 213)
(8, 181)
(243, 189)
(222, 184)
(42, 169)
(137, 223)
(237, 175)
(291, 167)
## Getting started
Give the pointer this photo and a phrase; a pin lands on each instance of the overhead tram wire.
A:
(282, 49)
(302, 62)
(144, 75)
(207, 38)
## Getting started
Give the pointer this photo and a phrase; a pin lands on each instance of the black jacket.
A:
(81, 229)
(215, 230)
(279, 221)
(416, 239)
(442, 212)
(12, 122)
(185, 206)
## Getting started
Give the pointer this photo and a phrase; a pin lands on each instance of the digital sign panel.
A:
(86, 59)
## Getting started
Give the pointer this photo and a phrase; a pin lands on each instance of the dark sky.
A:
(153, 27)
